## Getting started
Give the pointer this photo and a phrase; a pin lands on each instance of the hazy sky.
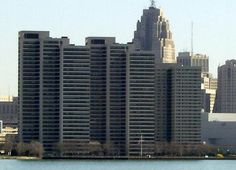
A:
(214, 26)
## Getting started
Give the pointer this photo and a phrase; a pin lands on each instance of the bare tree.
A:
(36, 149)
(95, 148)
(160, 148)
(8, 147)
(21, 149)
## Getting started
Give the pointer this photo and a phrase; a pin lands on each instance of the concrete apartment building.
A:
(115, 96)
(141, 103)
(98, 86)
(226, 91)
(48, 88)
(75, 100)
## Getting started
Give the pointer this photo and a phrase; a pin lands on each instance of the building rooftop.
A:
(222, 117)
(6, 98)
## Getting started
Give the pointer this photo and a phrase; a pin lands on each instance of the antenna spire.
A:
(153, 3)
(192, 38)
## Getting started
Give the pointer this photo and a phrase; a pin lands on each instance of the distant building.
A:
(153, 34)
(226, 91)
(6, 132)
(8, 135)
(219, 129)
(187, 59)
(208, 81)
(8, 111)
(6, 98)
(208, 100)
(209, 86)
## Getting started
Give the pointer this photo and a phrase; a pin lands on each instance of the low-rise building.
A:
(219, 129)
(8, 111)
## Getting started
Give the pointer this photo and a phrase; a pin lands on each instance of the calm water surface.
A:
(117, 165)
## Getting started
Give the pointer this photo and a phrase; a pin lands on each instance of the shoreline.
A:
(20, 157)
(115, 158)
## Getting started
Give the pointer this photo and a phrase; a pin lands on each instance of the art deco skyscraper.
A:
(153, 34)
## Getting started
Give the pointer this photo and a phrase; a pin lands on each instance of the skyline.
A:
(87, 18)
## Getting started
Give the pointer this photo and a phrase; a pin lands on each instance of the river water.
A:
(117, 165)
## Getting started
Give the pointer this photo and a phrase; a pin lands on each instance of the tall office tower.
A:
(178, 103)
(187, 59)
(140, 103)
(226, 91)
(153, 34)
(75, 101)
(116, 99)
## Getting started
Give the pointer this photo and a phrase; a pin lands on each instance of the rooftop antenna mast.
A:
(153, 3)
(192, 38)
(9, 98)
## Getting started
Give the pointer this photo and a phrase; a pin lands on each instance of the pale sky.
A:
(214, 26)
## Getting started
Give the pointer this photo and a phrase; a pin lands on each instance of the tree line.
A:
(96, 149)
